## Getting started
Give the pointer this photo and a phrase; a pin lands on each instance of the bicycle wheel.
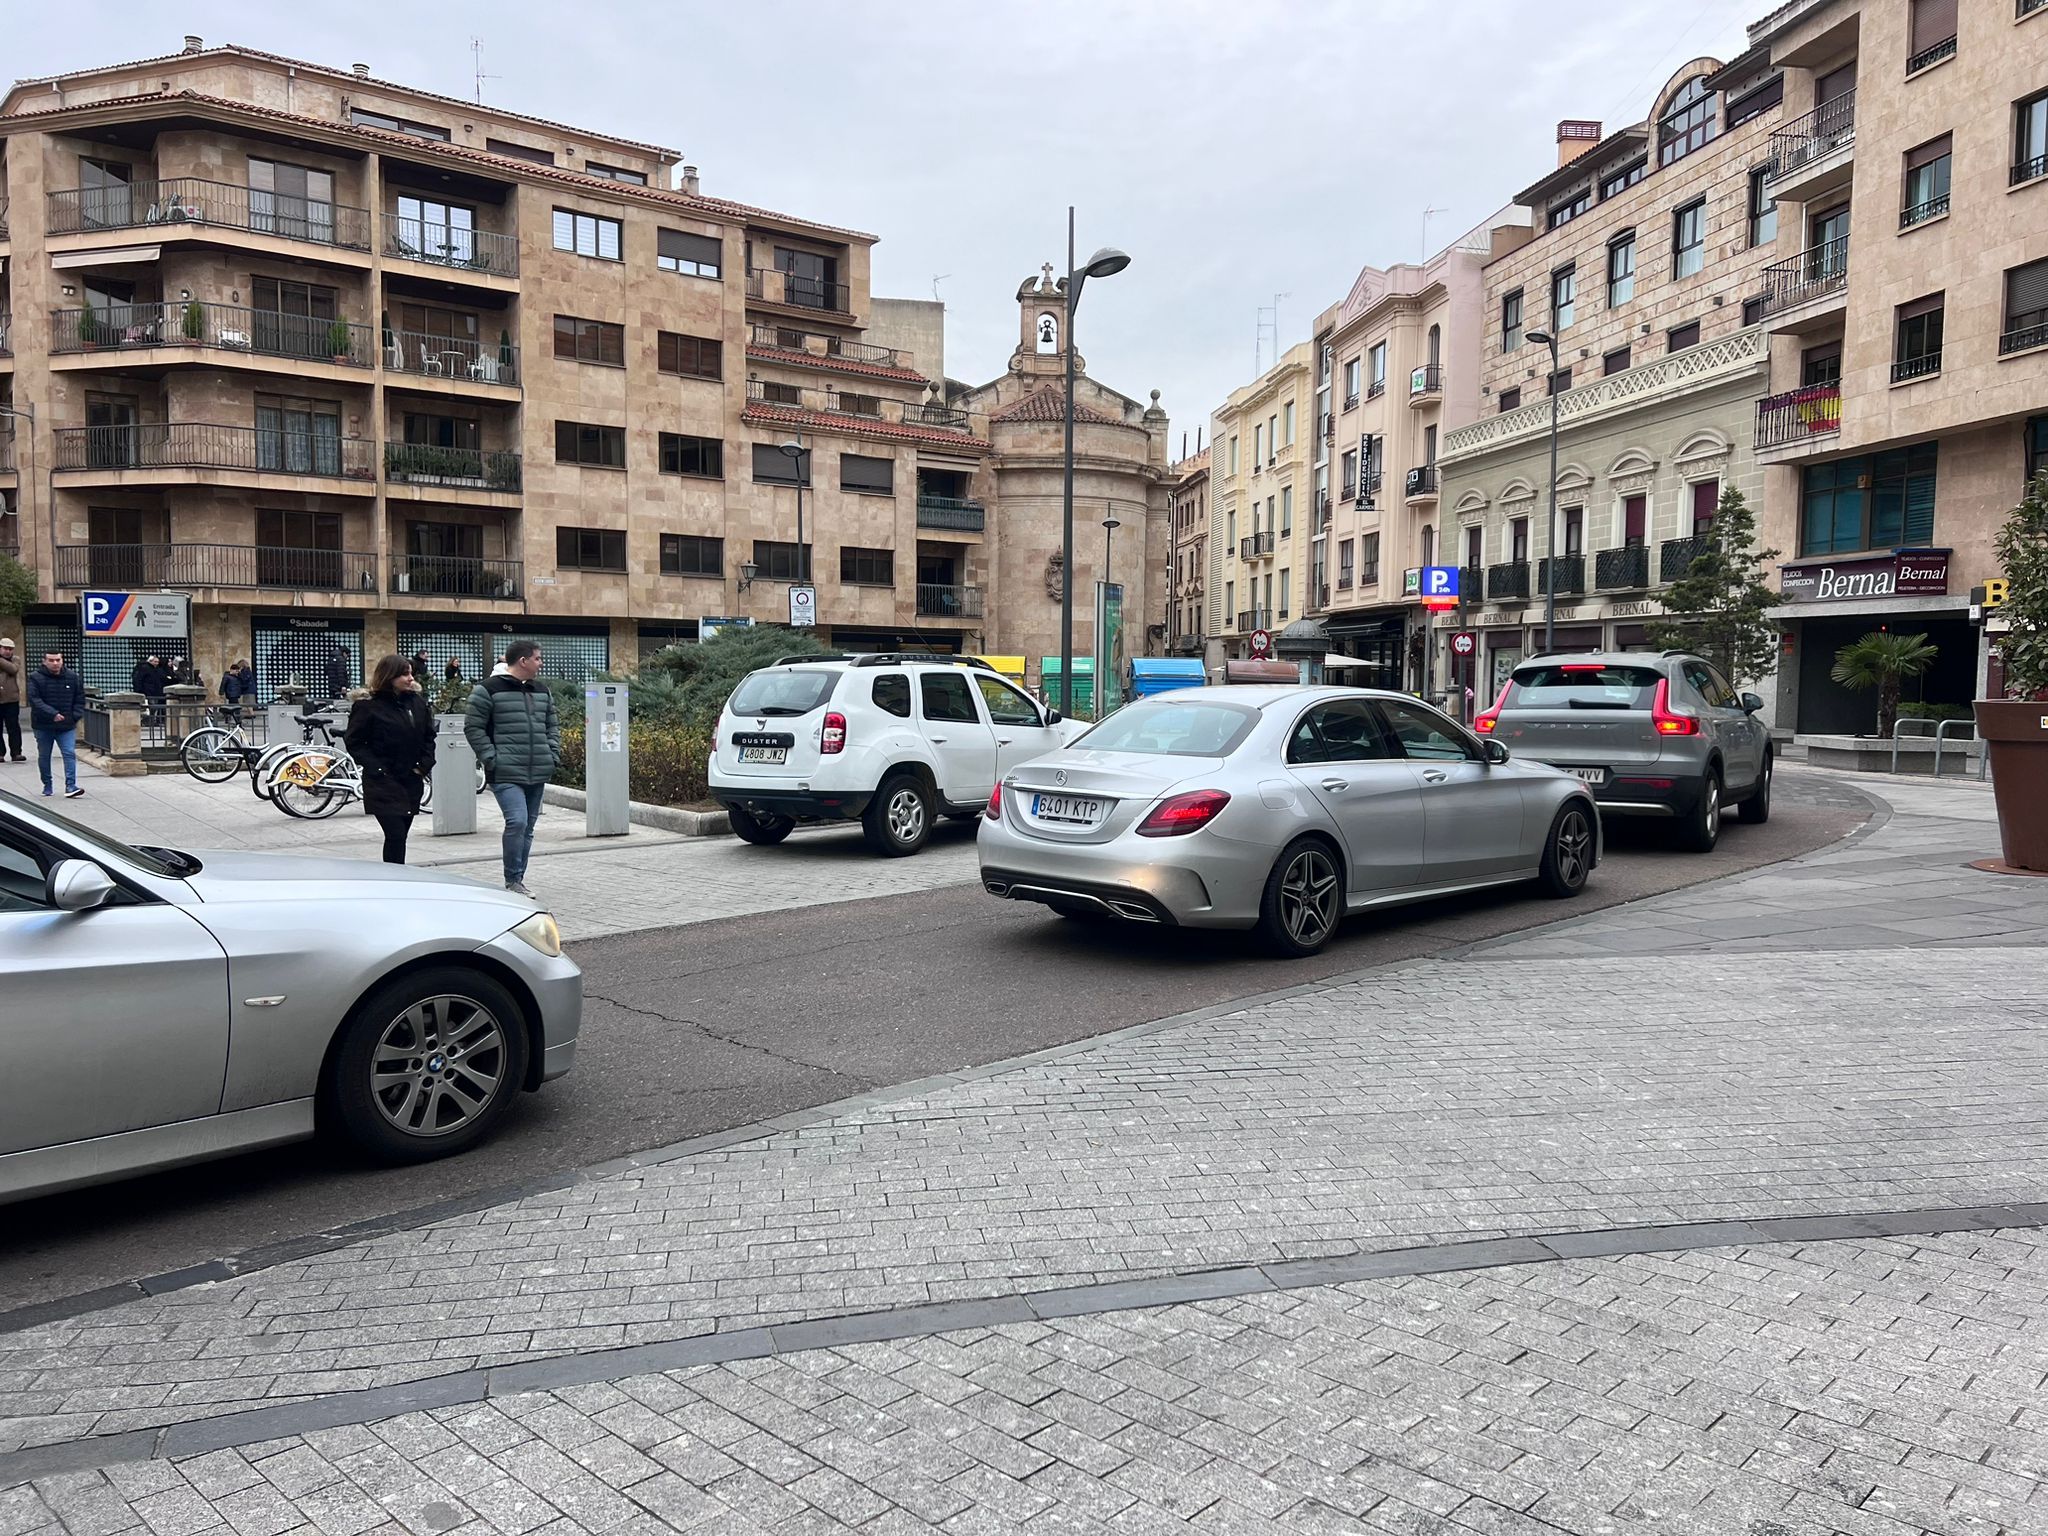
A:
(427, 793)
(210, 756)
(263, 774)
(309, 802)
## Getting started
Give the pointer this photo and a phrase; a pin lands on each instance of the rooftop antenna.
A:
(476, 58)
(935, 286)
(1426, 213)
(1260, 329)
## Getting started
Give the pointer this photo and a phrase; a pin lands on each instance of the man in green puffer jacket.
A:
(511, 726)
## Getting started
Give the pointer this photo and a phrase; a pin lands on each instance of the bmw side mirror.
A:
(1751, 703)
(1495, 751)
(79, 885)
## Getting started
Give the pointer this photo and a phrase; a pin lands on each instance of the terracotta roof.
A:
(863, 426)
(1051, 405)
(835, 364)
(716, 207)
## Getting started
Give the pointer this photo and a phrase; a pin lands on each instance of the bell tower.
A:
(1042, 326)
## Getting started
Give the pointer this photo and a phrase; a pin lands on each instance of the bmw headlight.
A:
(540, 931)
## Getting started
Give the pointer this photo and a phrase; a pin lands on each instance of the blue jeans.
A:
(521, 805)
(66, 741)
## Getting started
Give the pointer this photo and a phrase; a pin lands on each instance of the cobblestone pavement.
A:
(1877, 1383)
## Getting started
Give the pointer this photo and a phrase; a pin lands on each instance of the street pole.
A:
(1550, 565)
(1067, 490)
(1110, 524)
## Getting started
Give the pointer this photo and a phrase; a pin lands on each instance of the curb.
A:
(668, 818)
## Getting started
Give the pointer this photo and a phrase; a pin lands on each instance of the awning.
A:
(1333, 659)
(107, 256)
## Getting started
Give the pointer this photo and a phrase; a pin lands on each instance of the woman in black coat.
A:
(391, 735)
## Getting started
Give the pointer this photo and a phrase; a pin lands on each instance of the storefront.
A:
(105, 662)
(569, 650)
(1379, 639)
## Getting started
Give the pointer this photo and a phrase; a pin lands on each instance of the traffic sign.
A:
(1262, 643)
(803, 607)
(1464, 643)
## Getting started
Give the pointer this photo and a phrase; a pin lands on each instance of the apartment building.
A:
(1642, 253)
(1188, 570)
(1397, 368)
(1906, 310)
(353, 363)
(1261, 525)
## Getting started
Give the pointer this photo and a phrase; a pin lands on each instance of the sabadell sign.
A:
(1903, 573)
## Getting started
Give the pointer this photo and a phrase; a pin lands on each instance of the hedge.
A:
(666, 767)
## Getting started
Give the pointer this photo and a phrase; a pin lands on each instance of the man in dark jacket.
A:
(56, 703)
(148, 679)
(511, 726)
(10, 704)
(238, 687)
(338, 671)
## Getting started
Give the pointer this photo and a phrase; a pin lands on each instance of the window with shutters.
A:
(703, 457)
(1926, 190)
(1689, 238)
(1933, 35)
(1511, 399)
(690, 357)
(774, 467)
(1763, 209)
(594, 447)
(1679, 337)
(1564, 295)
(590, 549)
(1574, 530)
(1560, 381)
(2026, 308)
(590, 341)
(1616, 361)
(586, 234)
(1706, 496)
(1916, 350)
(691, 255)
(1518, 540)
(1621, 268)
(689, 554)
(1635, 521)
(867, 567)
(1511, 321)
(867, 476)
(1821, 365)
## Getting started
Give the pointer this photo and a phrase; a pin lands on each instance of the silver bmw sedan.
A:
(1280, 809)
(158, 1007)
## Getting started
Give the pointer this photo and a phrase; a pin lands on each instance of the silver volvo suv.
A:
(1651, 735)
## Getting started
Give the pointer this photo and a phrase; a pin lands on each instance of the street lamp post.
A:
(1106, 262)
(1110, 524)
(796, 451)
(1549, 339)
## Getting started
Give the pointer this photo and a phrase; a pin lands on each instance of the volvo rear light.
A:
(1662, 716)
(1183, 814)
(995, 804)
(1485, 723)
(833, 739)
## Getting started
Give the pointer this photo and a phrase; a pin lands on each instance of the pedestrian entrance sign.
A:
(135, 613)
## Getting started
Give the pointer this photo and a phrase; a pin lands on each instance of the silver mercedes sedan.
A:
(159, 1007)
(1280, 809)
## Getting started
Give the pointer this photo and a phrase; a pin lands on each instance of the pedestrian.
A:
(237, 686)
(185, 674)
(56, 703)
(452, 673)
(422, 669)
(148, 679)
(338, 671)
(391, 735)
(10, 705)
(511, 726)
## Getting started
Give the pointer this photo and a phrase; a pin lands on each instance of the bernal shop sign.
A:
(1902, 573)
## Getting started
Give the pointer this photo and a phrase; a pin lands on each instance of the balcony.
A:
(1571, 575)
(825, 350)
(1421, 482)
(1675, 557)
(1426, 384)
(2024, 338)
(2022, 170)
(215, 565)
(1375, 389)
(1345, 580)
(229, 327)
(456, 576)
(1920, 213)
(1934, 53)
(467, 359)
(1622, 570)
(6, 334)
(1249, 619)
(182, 445)
(183, 203)
(1809, 289)
(441, 245)
(1471, 583)
(953, 513)
(455, 469)
(1507, 581)
(1814, 155)
(766, 397)
(1257, 546)
(1926, 365)
(772, 287)
(947, 602)
(1798, 416)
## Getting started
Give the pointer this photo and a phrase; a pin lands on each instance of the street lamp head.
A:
(1112, 523)
(1541, 338)
(793, 448)
(1106, 262)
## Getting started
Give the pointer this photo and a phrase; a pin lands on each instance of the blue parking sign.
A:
(1439, 581)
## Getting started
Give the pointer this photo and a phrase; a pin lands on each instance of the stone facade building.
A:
(1187, 572)
(1261, 523)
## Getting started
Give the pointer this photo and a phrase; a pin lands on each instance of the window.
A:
(1753, 310)
(1759, 101)
(1511, 399)
(1346, 731)
(1422, 733)
(1679, 337)
(693, 357)
(1564, 293)
(2026, 307)
(1346, 571)
(1378, 380)
(1621, 180)
(1689, 238)
(946, 696)
(363, 119)
(1926, 191)
(1574, 530)
(860, 405)
(1563, 213)
(781, 394)
(1511, 321)
(578, 442)
(1475, 548)
(1286, 511)
(1230, 526)
(774, 467)
(689, 554)
(1287, 423)
(1368, 559)
(1560, 381)
(1349, 465)
(2037, 446)
(1229, 602)
(1518, 540)
(1286, 591)
(286, 199)
(1635, 521)
(1272, 435)
(867, 567)
(520, 151)
(691, 255)
(1872, 502)
(1917, 349)
(681, 455)
(1706, 496)
(1258, 444)
(868, 476)
(590, 549)
(778, 560)
(1688, 123)
(1006, 706)
(1763, 209)
(1934, 33)
(1614, 362)
(1621, 269)
(1233, 453)
(2030, 139)
(615, 173)
(588, 235)
(590, 341)
(1821, 365)
(891, 694)
(1351, 383)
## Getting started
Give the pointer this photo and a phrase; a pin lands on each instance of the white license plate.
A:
(764, 754)
(1590, 775)
(1066, 808)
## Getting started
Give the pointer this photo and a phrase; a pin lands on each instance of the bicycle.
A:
(313, 783)
(215, 753)
(263, 769)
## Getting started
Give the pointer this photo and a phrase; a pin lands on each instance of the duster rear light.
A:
(833, 738)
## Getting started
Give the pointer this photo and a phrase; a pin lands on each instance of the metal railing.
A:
(1931, 55)
(456, 576)
(178, 200)
(910, 413)
(951, 512)
(6, 329)
(1508, 580)
(469, 250)
(1827, 128)
(194, 322)
(97, 731)
(1916, 367)
(2023, 338)
(1254, 618)
(478, 469)
(1426, 380)
(1571, 574)
(452, 357)
(200, 445)
(1675, 556)
(1471, 583)
(1422, 481)
(215, 565)
(1375, 389)
(1253, 546)
(1920, 213)
(2026, 8)
(3, 218)
(943, 602)
(1622, 570)
(2027, 170)
(1345, 579)
(1797, 414)
(780, 338)
(1812, 274)
(776, 287)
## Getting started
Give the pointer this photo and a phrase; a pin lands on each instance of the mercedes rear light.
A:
(995, 804)
(1485, 723)
(1182, 814)
(1668, 721)
(833, 738)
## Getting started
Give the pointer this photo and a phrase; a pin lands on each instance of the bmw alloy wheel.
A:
(438, 1065)
(1308, 897)
(906, 814)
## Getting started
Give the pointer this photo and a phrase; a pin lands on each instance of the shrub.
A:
(706, 673)
(667, 764)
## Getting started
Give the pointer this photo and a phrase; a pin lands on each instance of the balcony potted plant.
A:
(2014, 729)
(89, 327)
(338, 341)
(195, 321)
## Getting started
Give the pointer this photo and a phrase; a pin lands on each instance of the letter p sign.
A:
(99, 611)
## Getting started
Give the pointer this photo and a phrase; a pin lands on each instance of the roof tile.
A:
(1050, 404)
(862, 426)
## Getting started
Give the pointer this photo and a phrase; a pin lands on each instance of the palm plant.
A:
(1883, 660)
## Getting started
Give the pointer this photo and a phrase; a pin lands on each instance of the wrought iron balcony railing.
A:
(1675, 557)
(1932, 54)
(1797, 414)
(456, 576)
(469, 358)
(776, 287)
(1916, 367)
(935, 601)
(1508, 580)
(1827, 128)
(1810, 275)
(1426, 380)
(1622, 570)
(187, 200)
(951, 512)
(782, 338)
(194, 322)
(200, 445)
(444, 245)
(1422, 481)
(216, 565)
(477, 469)
(1571, 574)
(911, 413)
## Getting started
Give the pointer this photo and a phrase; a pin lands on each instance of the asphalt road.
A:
(696, 1029)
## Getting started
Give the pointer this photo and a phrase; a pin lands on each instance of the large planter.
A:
(2015, 733)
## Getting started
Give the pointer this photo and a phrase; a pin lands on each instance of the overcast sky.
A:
(1236, 150)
